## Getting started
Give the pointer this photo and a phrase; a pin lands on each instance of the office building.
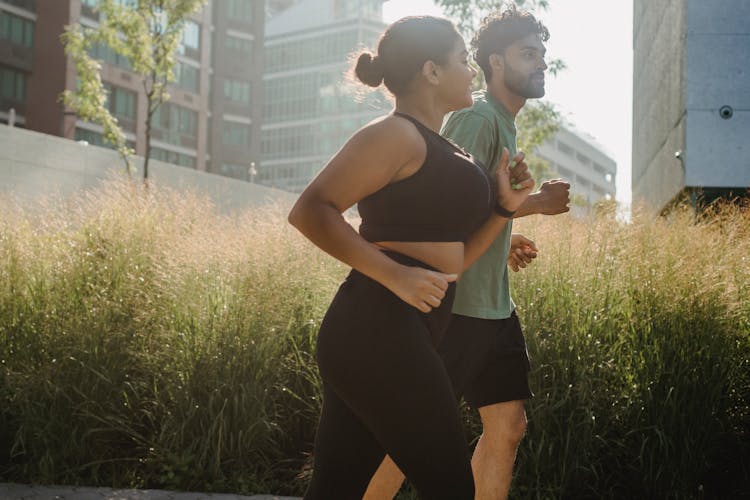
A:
(691, 105)
(212, 120)
(310, 108)
(577, 158)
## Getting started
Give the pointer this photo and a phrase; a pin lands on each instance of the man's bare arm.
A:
(552, 198)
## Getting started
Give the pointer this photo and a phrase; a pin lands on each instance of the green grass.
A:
(640, 336)
(148, 341)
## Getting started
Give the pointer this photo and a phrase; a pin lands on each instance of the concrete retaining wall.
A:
(34, 165)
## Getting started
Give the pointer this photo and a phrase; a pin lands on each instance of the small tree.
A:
(89, 100)
(147, 34)
(538, 120)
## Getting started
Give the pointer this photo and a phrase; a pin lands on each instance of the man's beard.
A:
(521, 84)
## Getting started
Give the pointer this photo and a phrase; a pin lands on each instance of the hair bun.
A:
(369, 69)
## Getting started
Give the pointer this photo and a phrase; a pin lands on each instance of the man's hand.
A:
(522, 251)
(513, 185)
(554, 197)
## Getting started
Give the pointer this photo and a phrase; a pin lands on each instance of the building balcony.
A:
(225, 105)
(29, 5)
(175, 138)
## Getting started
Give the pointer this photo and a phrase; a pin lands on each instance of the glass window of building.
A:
(312, 94)
(191, 35)
(89, 8)
(187, 121)
(96, 138)
(16, 29)
(104, 53)
(326, 49)
(565, 148)
(294, 98)
(322, 139)
(243, 47)
(366, 9)
(293, 176)
(173, 157)
(191, 40)
(565, 173)
(187, 76)
(176, 125)
(4, 25)
(126, 3)
(236, 134)
(237, 91)
(12, 85)
(121, 103)
(241, 10)
(91, 137)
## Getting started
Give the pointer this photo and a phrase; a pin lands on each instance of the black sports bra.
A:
(445, 200)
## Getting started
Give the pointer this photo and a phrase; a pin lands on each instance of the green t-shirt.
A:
(483, 130)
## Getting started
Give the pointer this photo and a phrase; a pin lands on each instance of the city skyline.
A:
(578, 106)
(309, 115)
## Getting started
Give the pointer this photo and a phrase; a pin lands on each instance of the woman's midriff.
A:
(446, 256)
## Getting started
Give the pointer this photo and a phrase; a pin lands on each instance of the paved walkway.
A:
(26, 492)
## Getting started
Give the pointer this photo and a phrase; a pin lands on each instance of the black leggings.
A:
(385, 390)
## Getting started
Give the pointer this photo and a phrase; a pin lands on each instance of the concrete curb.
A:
(10, 491)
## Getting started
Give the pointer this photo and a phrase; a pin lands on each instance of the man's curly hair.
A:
(499, 30)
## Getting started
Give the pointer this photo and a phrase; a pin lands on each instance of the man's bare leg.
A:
(386, 482)
(504, 425)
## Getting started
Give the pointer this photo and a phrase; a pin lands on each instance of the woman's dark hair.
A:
(498, 31)
(403, 49)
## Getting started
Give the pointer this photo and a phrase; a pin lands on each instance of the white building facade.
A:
(576, 158)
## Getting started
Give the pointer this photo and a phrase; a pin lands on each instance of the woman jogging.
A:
(428, 211)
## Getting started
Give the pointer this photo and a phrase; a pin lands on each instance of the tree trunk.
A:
(147, 153)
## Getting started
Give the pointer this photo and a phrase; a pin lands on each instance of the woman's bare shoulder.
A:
(391, 135)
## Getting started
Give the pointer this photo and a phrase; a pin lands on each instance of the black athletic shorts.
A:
(486, 359)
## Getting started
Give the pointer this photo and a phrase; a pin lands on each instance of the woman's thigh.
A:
(376, 353)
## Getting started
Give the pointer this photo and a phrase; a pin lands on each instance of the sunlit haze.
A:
(594, 38)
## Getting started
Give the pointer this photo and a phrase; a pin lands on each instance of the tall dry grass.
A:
(146, 340)
(640, 338)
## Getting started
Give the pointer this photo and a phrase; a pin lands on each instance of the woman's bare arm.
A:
(375, 156)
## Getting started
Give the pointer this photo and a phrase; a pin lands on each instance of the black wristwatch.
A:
(503, 212)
